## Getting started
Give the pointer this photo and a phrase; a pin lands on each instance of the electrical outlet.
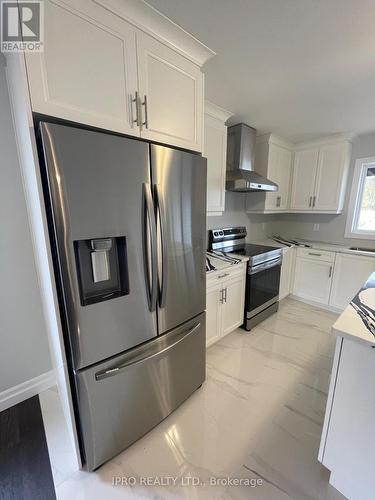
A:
(316, 227)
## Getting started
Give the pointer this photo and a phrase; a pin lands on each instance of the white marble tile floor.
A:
(258, 416)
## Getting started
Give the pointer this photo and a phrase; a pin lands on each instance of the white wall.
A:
(24, 352)
(235, 215)
(331, 227)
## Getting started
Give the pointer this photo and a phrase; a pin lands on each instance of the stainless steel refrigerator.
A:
(127, 227)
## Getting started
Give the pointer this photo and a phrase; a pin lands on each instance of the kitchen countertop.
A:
(357, 321)
(318, 245)
(219, 263)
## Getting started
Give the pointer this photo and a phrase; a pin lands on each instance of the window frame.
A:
(356, 194)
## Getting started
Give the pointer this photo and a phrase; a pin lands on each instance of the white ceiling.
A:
(298, 68)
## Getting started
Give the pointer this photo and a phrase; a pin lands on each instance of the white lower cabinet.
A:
(351, 271)
(287, 272)
(225, 302)
(324, 277)
(347, 445)
(313, 275)
(213, 326)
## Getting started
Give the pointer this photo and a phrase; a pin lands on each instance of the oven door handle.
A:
(262, 267)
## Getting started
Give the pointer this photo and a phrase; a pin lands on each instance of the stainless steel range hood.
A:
(240, 162)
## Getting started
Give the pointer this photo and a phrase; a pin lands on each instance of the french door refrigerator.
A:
(127, 229)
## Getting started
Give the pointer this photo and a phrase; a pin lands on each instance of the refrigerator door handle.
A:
(140, 359)
(161, 245)
(149, 246)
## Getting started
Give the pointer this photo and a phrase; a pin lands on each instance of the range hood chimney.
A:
(241, 176)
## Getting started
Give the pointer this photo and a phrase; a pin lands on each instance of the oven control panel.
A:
(228, 233)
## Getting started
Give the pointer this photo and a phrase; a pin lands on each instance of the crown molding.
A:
(148, 19)
(329, 139)
(216, 111)
(271, 138)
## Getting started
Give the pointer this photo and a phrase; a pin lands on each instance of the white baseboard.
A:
(26, 390)
(326, 307)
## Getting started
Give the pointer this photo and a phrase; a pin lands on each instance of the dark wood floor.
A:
(25, 470)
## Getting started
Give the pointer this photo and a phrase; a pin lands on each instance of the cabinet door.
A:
(304, 173)
(233, 306)
(87, 72)
(279, 168)
(331, 174)
(312, 280)
(213, 314)
(351, 271)
(286, 276)
(285, 167)
(215, 150)
(273, 173)
(350, 444)
(173, 87)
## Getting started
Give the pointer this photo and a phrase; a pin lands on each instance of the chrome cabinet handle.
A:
(160, 212)
(310, 201)
(221, 296)
(149, 246)
(144, 103)
(140, 359)
(137, 120)
(316, 254)
(314, 200)
(278, 201)
(222, 275)
(225, 294)
(330, 271)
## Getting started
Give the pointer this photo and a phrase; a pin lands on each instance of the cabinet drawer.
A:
(312, 253)
(226, 274)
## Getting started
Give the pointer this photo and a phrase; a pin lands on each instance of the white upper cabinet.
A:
(171, 94)
(279, 169)
(87, 72)
(215, 150)
(320, 177)
(331, 176)
(273, 159)
(304, 174)
(101, 70)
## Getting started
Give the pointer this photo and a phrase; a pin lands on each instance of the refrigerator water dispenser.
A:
(102, 269)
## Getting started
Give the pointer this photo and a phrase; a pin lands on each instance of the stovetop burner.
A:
(232, 240)
(251, 250)
(263, 271)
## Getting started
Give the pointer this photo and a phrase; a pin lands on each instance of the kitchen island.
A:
(347, 445)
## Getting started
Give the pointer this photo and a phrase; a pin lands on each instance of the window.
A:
(361, 214)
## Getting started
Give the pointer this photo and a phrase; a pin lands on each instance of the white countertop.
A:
(357, 321)
(317, 245)
(221, 264)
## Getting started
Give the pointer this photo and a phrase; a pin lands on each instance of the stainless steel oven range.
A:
(263, 272)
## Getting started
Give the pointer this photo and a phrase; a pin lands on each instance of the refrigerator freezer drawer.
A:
(122, 399)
